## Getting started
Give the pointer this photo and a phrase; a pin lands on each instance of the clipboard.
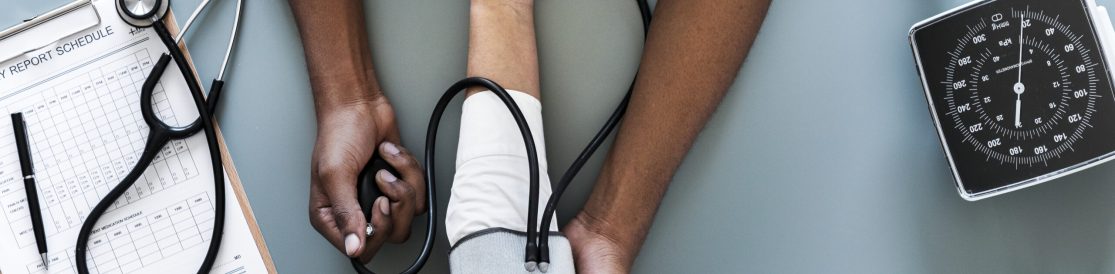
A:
(50, 28)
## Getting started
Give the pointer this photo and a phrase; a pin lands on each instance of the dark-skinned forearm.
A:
(692, 55)
(339, 60)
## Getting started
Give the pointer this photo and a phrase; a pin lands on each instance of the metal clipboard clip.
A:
(47, 29)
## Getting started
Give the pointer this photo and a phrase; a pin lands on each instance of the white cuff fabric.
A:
(491, 186)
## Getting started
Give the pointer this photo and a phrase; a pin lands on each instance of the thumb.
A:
(349, 218)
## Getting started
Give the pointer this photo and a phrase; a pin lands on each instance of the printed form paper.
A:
(80, 99)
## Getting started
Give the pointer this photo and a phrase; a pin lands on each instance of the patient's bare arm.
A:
(692, 55)
(501, 44)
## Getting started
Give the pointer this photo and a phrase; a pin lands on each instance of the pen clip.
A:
(23, 145)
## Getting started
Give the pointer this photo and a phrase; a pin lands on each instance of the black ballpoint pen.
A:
(25, 164)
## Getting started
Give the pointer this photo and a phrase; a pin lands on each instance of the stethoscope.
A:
(537, 256)
(149, 13)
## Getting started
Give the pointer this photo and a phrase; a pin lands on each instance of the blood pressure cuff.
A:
(487, 210)
(500, 250)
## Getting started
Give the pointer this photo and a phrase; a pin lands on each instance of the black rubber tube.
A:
(159, 135)
(214, 147)
(214, 95)
(579, 162)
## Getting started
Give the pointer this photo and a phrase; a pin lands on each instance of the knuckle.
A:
(419, 205)
(344, 216)
(399, 191)
(405, 190)
(316, 223)
(316, 220)
(419, 180)
(333, 168)
(327, 170)
(413, 162)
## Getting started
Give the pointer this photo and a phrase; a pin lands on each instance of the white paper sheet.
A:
(80, 99)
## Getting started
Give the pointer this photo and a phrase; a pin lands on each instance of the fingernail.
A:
(390, 148)
(387, 176)
(383, 205)
(351, 244)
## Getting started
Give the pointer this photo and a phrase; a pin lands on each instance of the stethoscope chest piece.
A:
(142, 13)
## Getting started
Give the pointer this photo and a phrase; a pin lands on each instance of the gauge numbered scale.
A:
(1020, 90)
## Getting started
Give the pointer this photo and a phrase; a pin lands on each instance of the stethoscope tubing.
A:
(159, 135)
(205, 116)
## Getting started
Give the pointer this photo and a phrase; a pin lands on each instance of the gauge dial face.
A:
(1021, 99)
(1019, 90)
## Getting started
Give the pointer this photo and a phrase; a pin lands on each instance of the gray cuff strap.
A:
(500, 250)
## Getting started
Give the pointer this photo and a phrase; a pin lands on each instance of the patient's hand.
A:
(347, 136)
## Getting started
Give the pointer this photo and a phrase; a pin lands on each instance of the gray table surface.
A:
(821, 159)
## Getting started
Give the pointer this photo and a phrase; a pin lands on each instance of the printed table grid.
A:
(142, 240)
(86, 133)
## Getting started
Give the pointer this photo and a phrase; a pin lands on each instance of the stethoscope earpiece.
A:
(142, 13)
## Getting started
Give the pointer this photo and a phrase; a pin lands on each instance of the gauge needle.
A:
(1021, 34)
(1019, 88)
